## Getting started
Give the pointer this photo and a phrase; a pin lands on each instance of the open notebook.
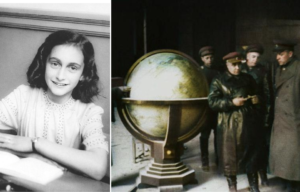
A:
(31, 169)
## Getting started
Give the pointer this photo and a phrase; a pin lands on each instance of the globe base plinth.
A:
(167, 174)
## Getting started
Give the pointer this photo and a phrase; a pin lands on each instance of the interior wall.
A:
(184, 25)
(262, 21)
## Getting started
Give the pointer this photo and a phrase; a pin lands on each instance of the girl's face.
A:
(64, 69)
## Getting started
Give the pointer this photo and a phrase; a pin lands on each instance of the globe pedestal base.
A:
(167, 174)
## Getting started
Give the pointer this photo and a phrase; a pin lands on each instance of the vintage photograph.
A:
(205, 95)
(55, 97)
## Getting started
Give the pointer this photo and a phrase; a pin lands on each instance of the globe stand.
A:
(167, 174)
(166, 168)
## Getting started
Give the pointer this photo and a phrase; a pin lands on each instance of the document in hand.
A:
(31, 169)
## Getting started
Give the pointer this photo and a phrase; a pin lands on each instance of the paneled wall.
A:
(22, 31)
(262, 21)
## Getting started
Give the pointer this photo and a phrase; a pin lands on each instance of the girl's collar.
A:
(51, 103)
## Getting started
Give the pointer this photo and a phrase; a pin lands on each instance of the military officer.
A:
(234, 96)
(207, 56)
(259, 73)
(284, 158)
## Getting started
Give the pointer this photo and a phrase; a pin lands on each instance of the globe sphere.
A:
(165, 75)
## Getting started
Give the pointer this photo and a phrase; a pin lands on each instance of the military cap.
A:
(233, 57)
(283, 45)
(255, 48)
(207, 50)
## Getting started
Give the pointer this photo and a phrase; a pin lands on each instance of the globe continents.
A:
(165, 75)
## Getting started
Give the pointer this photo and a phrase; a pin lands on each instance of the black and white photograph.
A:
(55, 96)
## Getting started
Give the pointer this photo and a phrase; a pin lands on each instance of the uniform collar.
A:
(288, 63)
(228, 75)
(204, 66)
(258, 65)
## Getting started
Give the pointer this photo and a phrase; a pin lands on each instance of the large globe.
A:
(165, 75)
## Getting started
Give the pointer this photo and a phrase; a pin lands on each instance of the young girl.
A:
(54, 116)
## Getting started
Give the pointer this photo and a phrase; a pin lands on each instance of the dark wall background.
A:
(262, 21)
(184, 25)
(187, 25)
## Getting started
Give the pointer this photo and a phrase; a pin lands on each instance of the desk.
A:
(67, 182)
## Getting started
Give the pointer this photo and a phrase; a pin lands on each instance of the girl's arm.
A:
(91, 162)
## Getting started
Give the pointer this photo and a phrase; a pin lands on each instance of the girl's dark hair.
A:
(87, 88)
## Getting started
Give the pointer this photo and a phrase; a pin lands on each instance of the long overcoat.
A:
(236, 131)
(285, 136)
(259, 74)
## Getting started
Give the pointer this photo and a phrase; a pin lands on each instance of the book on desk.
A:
(29, 168)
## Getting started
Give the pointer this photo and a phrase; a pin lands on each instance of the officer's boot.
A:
(204, 154)
(232, 183)
(263, 177)
(253, 181)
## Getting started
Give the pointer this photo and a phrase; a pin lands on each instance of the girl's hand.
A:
(15, 143)
(239, 101)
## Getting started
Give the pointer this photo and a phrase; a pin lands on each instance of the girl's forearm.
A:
(92, 163)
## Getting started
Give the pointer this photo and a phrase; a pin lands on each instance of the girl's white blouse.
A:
(73, 123)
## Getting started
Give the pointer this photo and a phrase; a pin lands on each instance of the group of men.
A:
(254, 132)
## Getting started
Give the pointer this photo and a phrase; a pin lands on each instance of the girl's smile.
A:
(59, 84)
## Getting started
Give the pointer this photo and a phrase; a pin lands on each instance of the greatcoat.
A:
(284, 158)
(259, 74)
(237, 132)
